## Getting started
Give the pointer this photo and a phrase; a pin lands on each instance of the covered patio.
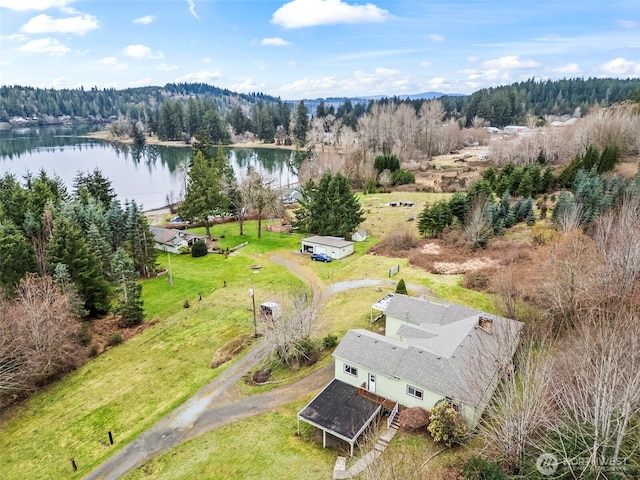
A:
(341, 411)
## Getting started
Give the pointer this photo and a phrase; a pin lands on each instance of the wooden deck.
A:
(385, 402)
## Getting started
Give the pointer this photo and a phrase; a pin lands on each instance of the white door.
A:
(372, 383)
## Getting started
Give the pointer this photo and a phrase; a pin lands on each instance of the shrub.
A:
(186, 304)
(402, 287)
(413, 419)
(402, 177)
(478, 468)
(184, 249)
(85, 334)
(93, 350)
(115, 339)
(386, 162)
(199, 249)
(330, 341)
(447, 425)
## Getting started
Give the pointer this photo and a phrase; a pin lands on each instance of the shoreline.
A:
(153, 140)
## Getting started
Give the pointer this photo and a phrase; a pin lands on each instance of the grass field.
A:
(128, 388)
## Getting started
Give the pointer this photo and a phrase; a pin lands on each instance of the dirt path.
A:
(211, 407)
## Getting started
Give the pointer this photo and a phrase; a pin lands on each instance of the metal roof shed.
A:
(336, 247)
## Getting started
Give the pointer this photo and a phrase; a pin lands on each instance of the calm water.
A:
(148, 174)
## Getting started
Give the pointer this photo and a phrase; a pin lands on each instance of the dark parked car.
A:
(321, 257)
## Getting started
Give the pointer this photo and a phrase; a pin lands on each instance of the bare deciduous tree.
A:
(476, 227)
(258, 192)
(289, 333)
(596, 388)
(521, 407)
(38, 336)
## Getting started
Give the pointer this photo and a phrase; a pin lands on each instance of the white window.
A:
(348, 369)
(414, 392)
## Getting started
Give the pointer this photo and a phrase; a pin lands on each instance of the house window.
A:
(414, 392)
(348, 369)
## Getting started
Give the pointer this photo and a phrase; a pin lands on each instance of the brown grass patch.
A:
(230, 350)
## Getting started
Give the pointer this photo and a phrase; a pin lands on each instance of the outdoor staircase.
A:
(340, 471)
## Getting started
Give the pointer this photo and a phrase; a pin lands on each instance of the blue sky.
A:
(316, 48)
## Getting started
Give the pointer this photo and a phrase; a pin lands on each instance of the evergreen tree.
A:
(116, 219)
(301, 124)
(402, 287)
(140, 240)
(16, 256)
(204, 197)
(458, 204)
(435, 218)
(96, 185)
(129, 304)
(68, 246)
(330, 207)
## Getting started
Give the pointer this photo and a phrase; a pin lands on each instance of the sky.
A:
(307, 49)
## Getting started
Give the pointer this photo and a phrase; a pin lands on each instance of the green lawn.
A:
(127, 389)
(264, 446)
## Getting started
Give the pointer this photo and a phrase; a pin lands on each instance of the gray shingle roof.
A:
(449, 354)
(419, 311)
(172, 236)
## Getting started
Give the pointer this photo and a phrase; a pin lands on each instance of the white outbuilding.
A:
(336, 247)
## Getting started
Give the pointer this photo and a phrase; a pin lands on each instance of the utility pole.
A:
(255, 323)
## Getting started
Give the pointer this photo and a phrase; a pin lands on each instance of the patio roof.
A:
(340, 411)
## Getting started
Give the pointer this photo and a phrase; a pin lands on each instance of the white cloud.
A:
(113, 63)
(141, 51)
(386, 71)
(509, 63)
(568, 69)
(163, 67)
(374, 54)
(621, 66)
(146, 20)
(206, 60)
(141, 82)
(60, 82)
(629, 24)
(42, 23)
(24, 5)
(108, 61)
(51, 46)
(249, 85)
(203, 76)
(274, 42)
(425, 64)
(192, 8)
(437, 82)
(436, 37)
(309, 13)
(16, 37)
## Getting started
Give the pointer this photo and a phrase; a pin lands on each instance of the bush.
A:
(402, 177)
(447, 426)
(386, 162)
(402, 287)
(93, 350)
(85, 334)
(186, 304)
(199, 249)
(413, 419)
(478, 468)
(115, 339)
(329, 341)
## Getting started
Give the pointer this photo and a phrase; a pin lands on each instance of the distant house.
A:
(430, 351)
(291, 195)
(360, 235)
(171, 239)
(336, 247)
(516, 129)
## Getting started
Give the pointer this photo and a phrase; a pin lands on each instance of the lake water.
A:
(148, 174)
